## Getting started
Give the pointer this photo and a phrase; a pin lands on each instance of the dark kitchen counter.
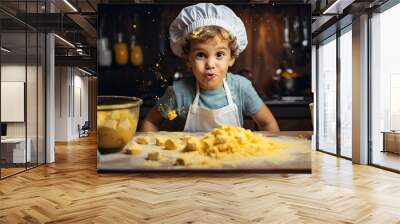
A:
(150, 103)
(286, 102)
(291, 115)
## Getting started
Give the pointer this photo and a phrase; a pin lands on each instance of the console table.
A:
(13, 150)
(391, 141)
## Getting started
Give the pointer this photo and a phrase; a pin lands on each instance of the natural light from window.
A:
(327, 96)
(385, 81)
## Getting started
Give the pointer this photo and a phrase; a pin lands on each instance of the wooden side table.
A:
(391, 141)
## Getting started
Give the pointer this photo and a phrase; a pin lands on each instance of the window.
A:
(385, 85)
(22, 74)
(346, 92)
(327, 96)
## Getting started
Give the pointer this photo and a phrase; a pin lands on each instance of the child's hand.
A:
(171, 113)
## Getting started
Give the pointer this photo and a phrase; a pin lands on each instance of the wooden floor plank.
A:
(71, 191)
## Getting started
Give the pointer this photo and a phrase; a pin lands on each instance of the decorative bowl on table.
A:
(117, 118)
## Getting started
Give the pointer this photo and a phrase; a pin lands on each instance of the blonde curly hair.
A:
(205, 33)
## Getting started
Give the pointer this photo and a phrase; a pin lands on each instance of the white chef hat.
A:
(205, 14)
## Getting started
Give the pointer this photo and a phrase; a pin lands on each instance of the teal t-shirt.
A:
(181, 94)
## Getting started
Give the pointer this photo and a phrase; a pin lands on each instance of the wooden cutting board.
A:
(293, 156)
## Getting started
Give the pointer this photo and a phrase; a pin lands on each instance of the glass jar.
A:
(117, 118)
(121, 51)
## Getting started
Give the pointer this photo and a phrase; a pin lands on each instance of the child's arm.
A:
(265, 120)
(152, 120)
(160, 111)
(255, 107)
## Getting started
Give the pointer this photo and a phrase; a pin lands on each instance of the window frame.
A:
(347, 27)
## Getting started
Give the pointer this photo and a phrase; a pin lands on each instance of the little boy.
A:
(209, 38)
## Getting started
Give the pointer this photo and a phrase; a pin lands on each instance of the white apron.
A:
(203, 120)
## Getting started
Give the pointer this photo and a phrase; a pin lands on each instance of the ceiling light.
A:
(84, 71)
(65, 41)
(70, 5)
(338, 6)
(5, 50)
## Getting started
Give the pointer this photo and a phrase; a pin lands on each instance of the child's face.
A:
(209, 62)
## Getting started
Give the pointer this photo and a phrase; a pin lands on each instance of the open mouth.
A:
(210, 76)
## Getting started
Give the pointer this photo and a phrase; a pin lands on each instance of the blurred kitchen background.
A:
(134, 57)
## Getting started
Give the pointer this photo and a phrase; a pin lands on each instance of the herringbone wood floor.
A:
(70, 191)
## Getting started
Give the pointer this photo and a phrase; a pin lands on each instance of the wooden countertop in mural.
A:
(293, 157)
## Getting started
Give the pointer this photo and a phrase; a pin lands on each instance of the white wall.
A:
(33, 127)
(61, 103)
(71, 93)
(16, 73)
